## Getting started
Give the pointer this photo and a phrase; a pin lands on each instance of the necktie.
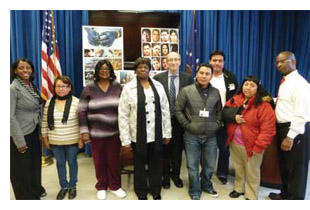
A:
(172, 94)
(282, 80)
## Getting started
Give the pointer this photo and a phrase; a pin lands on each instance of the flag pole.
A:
(45, 161)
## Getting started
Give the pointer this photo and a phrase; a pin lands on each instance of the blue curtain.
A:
(25, 37)
(26, 33)
(251, 40)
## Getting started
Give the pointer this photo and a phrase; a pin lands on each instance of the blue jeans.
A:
(223, 157)
(63, 154)
(195, 149)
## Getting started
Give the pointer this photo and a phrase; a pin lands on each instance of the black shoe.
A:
(157, 197)
(177, 182)
(43, 195)
(166, 183)
(62, 193)
(72, 193)
(275, 196)
(222, 179)
(212, 192)
(235, 194)
(142, 197)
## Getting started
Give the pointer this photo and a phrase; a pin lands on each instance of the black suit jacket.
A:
(184, 80)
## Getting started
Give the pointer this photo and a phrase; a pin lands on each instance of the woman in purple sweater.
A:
(98, 114)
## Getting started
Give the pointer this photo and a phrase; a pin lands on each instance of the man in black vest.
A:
(173, 80)
(227, 83)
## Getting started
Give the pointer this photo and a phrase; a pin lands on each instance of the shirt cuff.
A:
(292, 134)
(84, 129)
(126, 142)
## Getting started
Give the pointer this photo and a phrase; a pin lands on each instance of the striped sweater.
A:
(98, 111)
(63, 134)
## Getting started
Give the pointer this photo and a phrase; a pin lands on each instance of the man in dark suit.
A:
(173, 80)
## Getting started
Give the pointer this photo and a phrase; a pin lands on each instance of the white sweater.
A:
(63, 134)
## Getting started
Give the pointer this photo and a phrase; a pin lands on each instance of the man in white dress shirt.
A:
(293, 132)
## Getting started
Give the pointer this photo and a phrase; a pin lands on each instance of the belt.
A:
(283, 125)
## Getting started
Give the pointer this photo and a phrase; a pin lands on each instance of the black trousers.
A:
(173, 151)
(294, 163)
(25, 169)
(223, 155)
(147, 180)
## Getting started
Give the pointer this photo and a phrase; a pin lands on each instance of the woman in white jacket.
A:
(144, 124)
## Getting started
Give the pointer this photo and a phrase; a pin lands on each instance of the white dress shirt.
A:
(293, 104)
(219, 83)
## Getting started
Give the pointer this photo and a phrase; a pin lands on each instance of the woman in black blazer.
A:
(25, 147)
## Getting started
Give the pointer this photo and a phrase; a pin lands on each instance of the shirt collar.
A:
(176, 75)
(291, 75)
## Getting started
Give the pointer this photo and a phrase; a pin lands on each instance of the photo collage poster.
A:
(99, 43)
(156, 43)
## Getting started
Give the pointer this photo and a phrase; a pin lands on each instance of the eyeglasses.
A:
(104, 69)
(282, 61)
(62, 86)
(173, 59)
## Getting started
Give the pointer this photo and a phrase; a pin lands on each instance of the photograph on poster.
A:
(155, 63)
(174, 36)
(164, 49)
(101, 42)
(155, 35)
(98, 36)
(99, 52)
(156, 50)
(146, 35)
(164, 64)
(126, 76)
(88, 53)
(174, 48)
(146, 49)
(156, 43)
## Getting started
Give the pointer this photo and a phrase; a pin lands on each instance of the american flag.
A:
(50, 56)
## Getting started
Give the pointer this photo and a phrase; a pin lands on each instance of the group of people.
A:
(156, 118)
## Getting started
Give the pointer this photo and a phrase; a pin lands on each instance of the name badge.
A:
(203, 113)
(231, 86)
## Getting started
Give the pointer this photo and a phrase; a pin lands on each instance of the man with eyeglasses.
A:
(173, 80)
(227, 83)
(293, 129)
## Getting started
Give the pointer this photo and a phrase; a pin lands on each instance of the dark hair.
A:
(174, 47)
(205, 65)
(155, 30)
(64, 79)
(164, 30)
(173, 31)
(161, 47)
(146, 30)
(217, 52)
(15, 65)
(144, 44)
(98, 66)
(261, 92)
(142, 60)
